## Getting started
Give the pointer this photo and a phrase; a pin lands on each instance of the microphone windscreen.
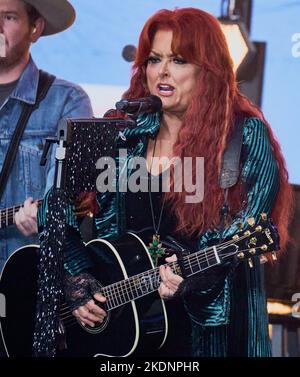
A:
(156, 103)
(128, 53)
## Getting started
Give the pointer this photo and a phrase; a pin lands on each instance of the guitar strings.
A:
(155, 272)
(192, 260)
(207, 257)
(116, 293)
(69, 315)
(10, 212)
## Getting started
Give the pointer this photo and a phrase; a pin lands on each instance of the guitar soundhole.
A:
(98, 328)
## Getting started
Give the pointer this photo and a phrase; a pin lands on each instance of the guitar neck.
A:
(7, 215)
(124, 291)
(257, 240)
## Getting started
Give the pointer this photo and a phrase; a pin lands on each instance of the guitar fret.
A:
(190, 266)
(113, 295)
(122, 292)
(122, 289)
(116, 291)
(135, 282)
(117, 297)
(128, 291)
(13, 215)
(138, 285)
(213, 258)
(109, 296)
(158, 279)
(176, 269)
(143, 280)
(198, 262)
(132, 287)
(206, 259)
(202, 263)
(148, 284)
(216, 255)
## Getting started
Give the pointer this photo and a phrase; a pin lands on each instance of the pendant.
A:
(155, 248)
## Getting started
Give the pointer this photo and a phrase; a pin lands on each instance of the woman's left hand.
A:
(169, 281)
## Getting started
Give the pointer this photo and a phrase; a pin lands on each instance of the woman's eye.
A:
(178, 60)
(153, 59)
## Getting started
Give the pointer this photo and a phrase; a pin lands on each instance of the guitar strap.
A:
(229, 176)
(45, 82)
(230, 169)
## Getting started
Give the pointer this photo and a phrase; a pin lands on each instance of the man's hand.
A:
(26, 218)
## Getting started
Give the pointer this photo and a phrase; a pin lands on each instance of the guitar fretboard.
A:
(7, 215)
(124, 291)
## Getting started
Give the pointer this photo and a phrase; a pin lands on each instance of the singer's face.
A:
(14, 25)
(169, 76)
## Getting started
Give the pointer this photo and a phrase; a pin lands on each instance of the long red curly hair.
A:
(209, 119)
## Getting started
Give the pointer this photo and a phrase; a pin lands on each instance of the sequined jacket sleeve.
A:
(260, 178)
(76, 258)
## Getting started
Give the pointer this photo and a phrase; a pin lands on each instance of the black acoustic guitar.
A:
(136, 315)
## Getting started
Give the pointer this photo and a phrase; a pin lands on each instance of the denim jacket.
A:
(27, 177)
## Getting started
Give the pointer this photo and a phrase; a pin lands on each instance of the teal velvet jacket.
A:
(230, 318)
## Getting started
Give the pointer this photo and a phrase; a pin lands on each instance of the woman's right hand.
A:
(91, 313)
(82, 294)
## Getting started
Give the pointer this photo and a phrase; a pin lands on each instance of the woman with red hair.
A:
(182, 57)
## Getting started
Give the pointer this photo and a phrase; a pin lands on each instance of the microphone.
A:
(137, 106)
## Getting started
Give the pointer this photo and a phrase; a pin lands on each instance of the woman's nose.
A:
(164, 70)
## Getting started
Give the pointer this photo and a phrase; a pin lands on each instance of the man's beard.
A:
(15, 55)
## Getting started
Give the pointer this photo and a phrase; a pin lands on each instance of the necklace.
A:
(155, 247)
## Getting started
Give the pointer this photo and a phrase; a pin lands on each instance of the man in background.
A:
(21, 24)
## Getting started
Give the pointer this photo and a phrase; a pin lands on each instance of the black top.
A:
(6, 90)
(139, 218)
(139, 214)
(138, 208)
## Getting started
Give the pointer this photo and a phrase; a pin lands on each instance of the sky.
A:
(89, 53)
